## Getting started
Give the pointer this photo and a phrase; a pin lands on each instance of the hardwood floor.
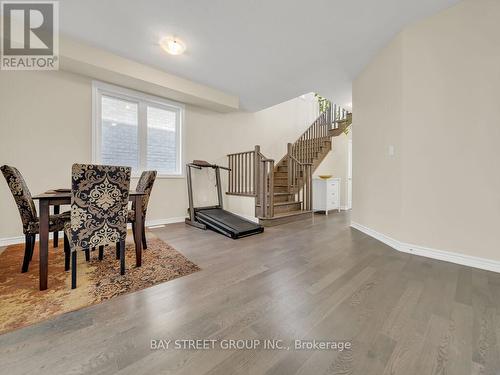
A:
(305, 280)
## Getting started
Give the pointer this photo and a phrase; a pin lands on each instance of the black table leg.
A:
(44, 243)
(138, 230)
(56, 234)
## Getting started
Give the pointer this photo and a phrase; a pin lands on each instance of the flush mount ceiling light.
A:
(173, 46)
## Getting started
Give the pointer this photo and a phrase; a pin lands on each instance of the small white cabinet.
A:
(326, 194)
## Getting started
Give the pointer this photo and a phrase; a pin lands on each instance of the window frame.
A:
(143, 101)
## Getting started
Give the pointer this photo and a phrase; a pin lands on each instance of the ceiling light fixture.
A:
(172, 46)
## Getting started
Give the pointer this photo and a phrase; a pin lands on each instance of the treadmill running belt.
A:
(231, 225)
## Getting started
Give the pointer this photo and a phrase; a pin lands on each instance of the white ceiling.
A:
(264, 51)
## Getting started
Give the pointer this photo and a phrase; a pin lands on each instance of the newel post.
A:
(271, 189)
(263, 188)
(256, 179)
(256, 165)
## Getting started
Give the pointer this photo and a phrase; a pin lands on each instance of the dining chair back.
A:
(27, 211)
(22, 196)
(98, 205)
(99, 209)
(145, 185)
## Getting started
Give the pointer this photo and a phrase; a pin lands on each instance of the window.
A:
(137, 130)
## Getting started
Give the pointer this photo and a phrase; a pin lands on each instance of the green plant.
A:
(324, 104)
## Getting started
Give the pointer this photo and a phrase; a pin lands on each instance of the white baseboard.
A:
(7, 241)
(171, 220)
(447, 256)
(395, 244)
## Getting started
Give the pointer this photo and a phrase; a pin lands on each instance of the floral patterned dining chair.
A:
(99, 206)
(144, 185)
(27, 210)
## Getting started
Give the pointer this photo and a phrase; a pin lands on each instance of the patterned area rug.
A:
(22, 304)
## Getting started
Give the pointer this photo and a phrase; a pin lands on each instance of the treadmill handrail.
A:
(201, 218)
(208, 166)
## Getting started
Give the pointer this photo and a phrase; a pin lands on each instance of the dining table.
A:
(59, 197)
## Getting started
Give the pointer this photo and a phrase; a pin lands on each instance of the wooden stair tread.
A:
(287, 214)
(286, 203)
(283, 203)
(285, 217)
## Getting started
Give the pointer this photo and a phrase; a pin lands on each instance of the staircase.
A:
(283, 191)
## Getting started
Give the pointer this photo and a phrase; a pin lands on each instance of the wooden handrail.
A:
(263, 158)
(239, 153)
(293, 158)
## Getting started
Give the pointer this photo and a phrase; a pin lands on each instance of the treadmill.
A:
(215, 217)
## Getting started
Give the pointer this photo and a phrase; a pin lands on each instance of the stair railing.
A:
(305, 147)
(336, 115)
(251, 174)
(242, 174)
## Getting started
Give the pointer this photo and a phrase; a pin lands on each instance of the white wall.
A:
(45, 126)
(434, 93)
(377, 95)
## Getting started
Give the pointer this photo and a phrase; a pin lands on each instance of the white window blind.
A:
(137, 130)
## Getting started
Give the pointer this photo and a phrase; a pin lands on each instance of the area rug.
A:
(22, 304)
